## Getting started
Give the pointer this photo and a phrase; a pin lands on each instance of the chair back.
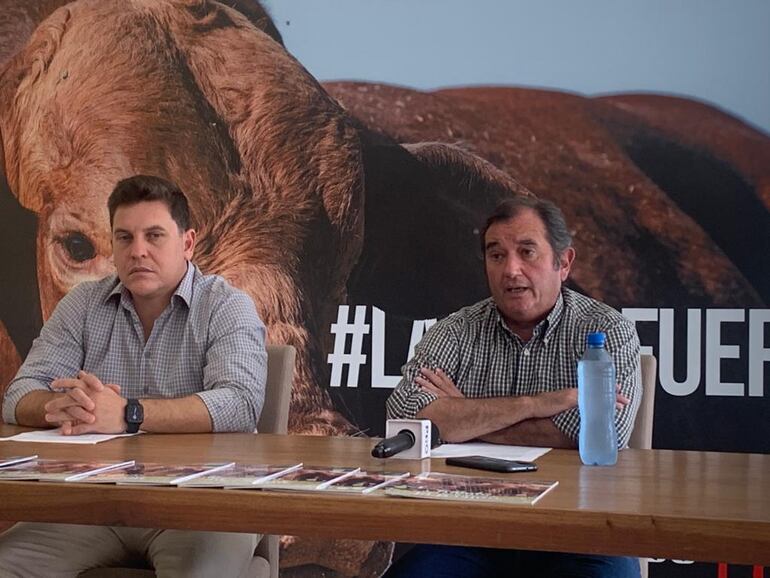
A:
(274, 419)
(641, 436)
(280, 371)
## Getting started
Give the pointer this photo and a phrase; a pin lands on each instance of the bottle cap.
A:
(596, 339)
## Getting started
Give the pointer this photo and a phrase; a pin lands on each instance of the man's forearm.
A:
(462, 419)
(181, 415)
(532, 432)
(30, 410)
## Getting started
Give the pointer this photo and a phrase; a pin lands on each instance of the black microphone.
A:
(402, 441)
(389, 447)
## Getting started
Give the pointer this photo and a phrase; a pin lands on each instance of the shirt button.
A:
(526, 352)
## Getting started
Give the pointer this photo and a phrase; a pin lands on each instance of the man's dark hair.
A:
(556, 229)
(140, 188)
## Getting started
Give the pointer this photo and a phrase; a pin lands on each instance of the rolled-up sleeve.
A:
(235, 371)
(437, 349)
(56, 352)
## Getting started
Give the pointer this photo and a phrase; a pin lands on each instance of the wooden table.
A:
(668, 504)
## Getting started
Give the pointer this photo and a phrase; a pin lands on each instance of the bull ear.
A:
(463, 171)
(425, 203)
(19, 21)
(19, 76)
(297, 148)
(258, 16)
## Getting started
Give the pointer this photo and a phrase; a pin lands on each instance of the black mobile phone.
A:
(491, 464)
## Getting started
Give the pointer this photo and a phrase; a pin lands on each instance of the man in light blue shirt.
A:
(160, 347)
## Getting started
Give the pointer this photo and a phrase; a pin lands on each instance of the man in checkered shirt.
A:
(159, 345)
(505, 371)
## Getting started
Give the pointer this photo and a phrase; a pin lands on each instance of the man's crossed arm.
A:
(520, 420)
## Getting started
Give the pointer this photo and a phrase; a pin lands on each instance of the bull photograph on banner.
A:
(322, 199)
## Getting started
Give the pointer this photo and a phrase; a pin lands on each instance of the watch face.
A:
(134, 413)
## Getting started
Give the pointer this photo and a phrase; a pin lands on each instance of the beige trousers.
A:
(31, 550)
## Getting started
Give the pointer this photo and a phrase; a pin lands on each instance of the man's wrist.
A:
(530, 406)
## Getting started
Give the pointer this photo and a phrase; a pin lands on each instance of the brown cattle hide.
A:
(700, 126)
(635, 243)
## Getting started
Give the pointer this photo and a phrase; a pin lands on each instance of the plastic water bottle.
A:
(598, 440)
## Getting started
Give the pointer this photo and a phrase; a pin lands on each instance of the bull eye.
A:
(79, 247)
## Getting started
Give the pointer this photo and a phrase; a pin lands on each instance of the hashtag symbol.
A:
(355, 359)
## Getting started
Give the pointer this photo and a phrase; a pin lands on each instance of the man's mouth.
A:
(516, 290)
(140, 270)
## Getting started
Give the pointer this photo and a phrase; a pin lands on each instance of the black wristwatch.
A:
(134, 415)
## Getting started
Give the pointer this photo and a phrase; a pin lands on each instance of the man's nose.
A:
(512, 266)
(138, 248)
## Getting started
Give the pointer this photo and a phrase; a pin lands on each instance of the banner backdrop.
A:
(350, 210)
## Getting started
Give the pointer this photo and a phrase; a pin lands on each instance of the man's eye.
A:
(78, 247)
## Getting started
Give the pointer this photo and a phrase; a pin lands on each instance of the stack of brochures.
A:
(240, 476)
(152, 474)
(294, 477)
(438, 486)
(55, 470)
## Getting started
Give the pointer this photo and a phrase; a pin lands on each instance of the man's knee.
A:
(592, 566)
(55, 550)
(451, 562)
(176, 553)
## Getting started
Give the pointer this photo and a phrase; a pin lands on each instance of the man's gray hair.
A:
(556, 229)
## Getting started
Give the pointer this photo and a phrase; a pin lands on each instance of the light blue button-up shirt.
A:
(209, 341)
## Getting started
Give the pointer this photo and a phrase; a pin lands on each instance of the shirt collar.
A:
(546, 327)
(183, 290)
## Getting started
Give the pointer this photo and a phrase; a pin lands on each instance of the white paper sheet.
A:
(54, 436)
(522, 453)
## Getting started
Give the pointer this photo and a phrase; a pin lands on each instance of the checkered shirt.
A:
(209, 341)
(486, 359)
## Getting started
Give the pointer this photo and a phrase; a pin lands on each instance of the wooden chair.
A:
(641, 436)
(274, 419)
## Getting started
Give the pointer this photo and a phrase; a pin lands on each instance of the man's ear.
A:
(565, 262)
(189, 243)
(299, 153)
